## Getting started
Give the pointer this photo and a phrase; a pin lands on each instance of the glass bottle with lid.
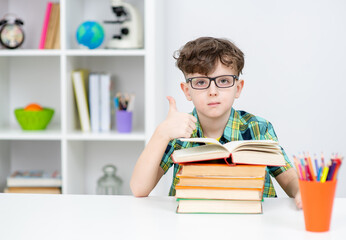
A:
(109, 183)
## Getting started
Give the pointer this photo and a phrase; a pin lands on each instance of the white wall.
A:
(294, 65)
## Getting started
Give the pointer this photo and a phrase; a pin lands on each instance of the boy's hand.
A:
(177, 124)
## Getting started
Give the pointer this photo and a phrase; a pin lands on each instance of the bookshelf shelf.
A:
(106, 52)
(29, 52)
(43, 76)
(81, 136)
(18, 134)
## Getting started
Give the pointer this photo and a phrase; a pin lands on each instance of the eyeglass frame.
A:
(235, 77)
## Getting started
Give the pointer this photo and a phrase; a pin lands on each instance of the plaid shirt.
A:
(241, 126)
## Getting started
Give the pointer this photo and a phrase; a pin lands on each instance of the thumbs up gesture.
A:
(177, 124)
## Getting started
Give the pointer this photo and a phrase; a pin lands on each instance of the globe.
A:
(90, 34)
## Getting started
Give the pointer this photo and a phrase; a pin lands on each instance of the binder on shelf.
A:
(79, 79)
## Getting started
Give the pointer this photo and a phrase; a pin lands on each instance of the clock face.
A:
(11, 36)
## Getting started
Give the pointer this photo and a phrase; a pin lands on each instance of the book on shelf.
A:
(34, 179)
(100, 91)
(225, 193)
(45, 25)
(52, 29)
(259, 152)
(56, 44)
(218, 206)
(95, 101)
(41, 190)
(50, 35)
(105, 101)
(80, 83)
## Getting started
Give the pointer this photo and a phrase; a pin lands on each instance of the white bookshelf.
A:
(44, 76)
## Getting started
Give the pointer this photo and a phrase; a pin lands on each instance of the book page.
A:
(200, 140)
(203, 140)
(231, 146)
(258, 145)
(204, 152)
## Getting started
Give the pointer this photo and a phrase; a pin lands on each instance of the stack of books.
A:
(50, 36)
(229, 178)
(34, 182)
(93, 95)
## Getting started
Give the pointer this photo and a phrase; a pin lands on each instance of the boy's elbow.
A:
(138, 191)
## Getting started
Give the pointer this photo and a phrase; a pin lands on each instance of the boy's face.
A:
(213, 102)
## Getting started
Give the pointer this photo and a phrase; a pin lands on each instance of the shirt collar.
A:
(231, 131)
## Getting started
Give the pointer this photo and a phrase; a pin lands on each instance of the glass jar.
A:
(109, 183)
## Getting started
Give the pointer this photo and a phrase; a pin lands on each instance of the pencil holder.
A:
(123, 121)
(317, 199)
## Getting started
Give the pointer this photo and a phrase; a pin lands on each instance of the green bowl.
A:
(34, 120)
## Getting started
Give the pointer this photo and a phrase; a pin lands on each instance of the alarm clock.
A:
(11, 32)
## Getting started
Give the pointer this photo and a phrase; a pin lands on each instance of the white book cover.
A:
(79, 79)
(34, 178)
(95, 101)
(34, 182)
(105, 102)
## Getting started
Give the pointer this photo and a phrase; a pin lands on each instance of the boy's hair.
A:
(201, 55)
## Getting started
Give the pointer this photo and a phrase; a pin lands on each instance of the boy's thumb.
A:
(172, 106)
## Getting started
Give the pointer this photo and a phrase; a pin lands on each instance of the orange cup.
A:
(317, 199)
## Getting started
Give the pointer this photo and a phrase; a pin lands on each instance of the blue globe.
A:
(90, 34)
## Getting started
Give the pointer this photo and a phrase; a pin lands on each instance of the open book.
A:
(258, 152)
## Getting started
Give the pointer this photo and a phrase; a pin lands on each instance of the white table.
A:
(30, 216)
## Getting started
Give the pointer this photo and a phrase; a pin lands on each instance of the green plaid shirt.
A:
(241, 126)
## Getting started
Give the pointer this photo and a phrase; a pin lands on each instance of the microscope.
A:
(130, 32)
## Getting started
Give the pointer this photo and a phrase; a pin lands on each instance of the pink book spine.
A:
(45, 25)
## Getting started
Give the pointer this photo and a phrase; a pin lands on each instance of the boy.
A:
(211, 68)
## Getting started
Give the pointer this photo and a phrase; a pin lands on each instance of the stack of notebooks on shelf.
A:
(229, 178)
(34, 182)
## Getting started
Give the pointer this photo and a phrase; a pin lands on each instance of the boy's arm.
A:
(286, 176)
(288, 180)
(147, 171)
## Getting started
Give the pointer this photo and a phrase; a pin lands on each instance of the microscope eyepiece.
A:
(119, 11)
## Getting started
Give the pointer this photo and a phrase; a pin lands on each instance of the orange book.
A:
(236, 182)
(42, 190)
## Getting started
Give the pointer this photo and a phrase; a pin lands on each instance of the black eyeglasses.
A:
(223, 81)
